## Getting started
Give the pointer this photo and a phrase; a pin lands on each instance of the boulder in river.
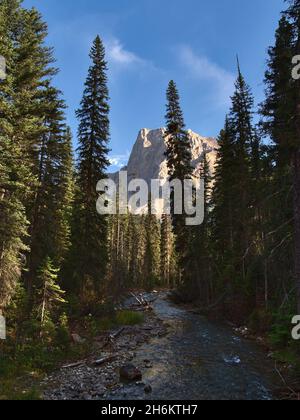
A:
(148, 389)
(130, 373)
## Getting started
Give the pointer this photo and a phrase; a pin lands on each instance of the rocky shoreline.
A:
(100, 377)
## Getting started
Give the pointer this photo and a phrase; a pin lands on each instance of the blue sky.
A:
(149, 42)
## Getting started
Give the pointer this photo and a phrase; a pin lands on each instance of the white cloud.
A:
(116, 53)
(119, 161)
(202, 68)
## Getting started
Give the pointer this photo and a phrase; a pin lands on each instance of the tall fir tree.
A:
(90, 235)
(35, 142)
(281, 122)
(200, 246)
(50, 224)
(166, 248)
(223, 209)
(15, 174)
(243, 136)
(278, 125)
(293, 14)
(179, 162)
(234, 199)
(151, 267)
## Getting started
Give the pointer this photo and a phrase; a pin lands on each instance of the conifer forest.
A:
(142, 306)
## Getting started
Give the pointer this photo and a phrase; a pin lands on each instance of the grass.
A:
(23, 365)
(129, 318)
(288, 356)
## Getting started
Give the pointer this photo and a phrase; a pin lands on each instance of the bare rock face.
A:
(148, 161)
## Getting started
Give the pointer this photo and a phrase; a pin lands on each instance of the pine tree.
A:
(280, 95)
(179, 162)
(50, 225)
(151, 269)
(166, 247)
(293, 14)
(223, 201)
(14, 173)
(35, 145)
(233, 219)
(280, 122)
(48, 292)
(201, 240)
(90, 237)
(13, 222)
(243, 138)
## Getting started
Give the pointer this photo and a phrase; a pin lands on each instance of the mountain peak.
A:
(147, 160)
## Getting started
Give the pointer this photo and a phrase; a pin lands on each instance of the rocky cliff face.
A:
(147, 160)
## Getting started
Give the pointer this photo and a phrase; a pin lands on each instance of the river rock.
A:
(130, 373)
(148, 389)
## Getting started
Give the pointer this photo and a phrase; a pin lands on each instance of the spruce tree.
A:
(243, 137)
(90, 235)
(179, 162)
(234, 199)
(15, 175)
(166, 246)
(36, 153)
(223, 199)
(278, 125)
(293, 14)
(48, 293)
(200, 246)
(50, 225)
(151, 267)
(280, 113)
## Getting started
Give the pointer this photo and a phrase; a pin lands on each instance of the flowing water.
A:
(200, 360)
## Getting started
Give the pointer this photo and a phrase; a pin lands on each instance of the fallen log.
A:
(137, 299)
(142, 302)
(105, 360)
(112, 337)
(73, 365)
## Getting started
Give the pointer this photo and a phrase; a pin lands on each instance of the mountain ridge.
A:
(147, 160)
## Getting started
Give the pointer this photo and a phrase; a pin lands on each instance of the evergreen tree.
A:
(280, 123)
(280, 96)
(151, 267)
(48, 292)
(50, 225)
(293, 14)
(233, 219)
(179, 162)
(166, 248)
(14, 173)
(34, 148)
(243, 138)
(200, 246)
(90, 237)
(223, 203)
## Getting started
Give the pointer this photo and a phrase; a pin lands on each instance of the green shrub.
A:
(280, 336)
(260, 321)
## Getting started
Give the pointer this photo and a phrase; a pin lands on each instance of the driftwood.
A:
(143, 303)
(73, 365)
(105, 360)
(98, 362)
(112, 337)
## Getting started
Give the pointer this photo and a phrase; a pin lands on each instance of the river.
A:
(199, 360)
